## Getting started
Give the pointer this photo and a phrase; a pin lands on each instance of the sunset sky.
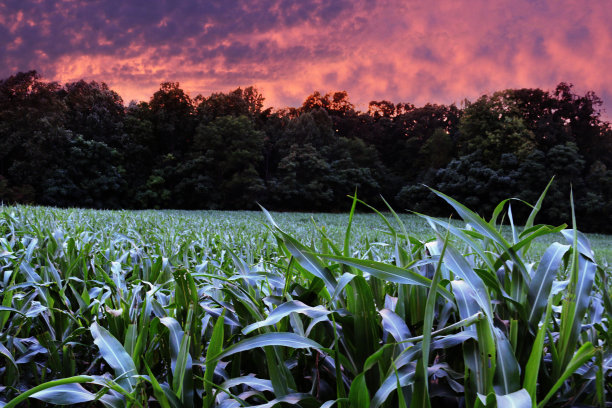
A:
(403, 51)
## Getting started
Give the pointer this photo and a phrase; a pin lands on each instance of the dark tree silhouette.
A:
(78, 145)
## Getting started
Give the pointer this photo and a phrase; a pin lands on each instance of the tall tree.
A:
(239, 102)
(32, 133)
(233, 152)
(487, 127)
(94, 111)
(173, 120)
(87, 174)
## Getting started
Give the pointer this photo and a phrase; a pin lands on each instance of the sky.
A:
(403, 51)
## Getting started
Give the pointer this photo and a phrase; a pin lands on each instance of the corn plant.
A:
(180, 309)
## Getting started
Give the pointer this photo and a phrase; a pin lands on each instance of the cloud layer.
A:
(403, 51)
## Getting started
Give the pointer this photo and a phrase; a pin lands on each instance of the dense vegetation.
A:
(78, 145)
(188, 309)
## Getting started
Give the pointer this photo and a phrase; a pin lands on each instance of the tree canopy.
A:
(77, 144)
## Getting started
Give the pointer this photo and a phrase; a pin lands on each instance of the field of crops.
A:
(230, 309)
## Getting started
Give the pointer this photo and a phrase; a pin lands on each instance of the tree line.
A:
(78, 145)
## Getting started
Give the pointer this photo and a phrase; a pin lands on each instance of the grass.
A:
(213, 308)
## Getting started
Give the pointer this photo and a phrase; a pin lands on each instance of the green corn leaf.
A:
(130, 339)
(401, 399)
(526, 238)
(402, 227)
(269, 216)
(45, 386)
(420, 395)
(486, 401)
(576, 300)
(330, 404)
(441, 342)
(173, 400)
(284, 310)
(143, 330)
(182, 377)
(486, 230)
(280, 376)
(475, 221)
(35, 281)
(541, 284)
(584, 353)
(532, 368)
(347, 235)
(476, 378)
(384, 219)
(242, 267)
(309, 261)
(479, 360)
(487, 353)
(340, 388)
(290, 340)
(376, 357)
(583, 244)
(574, 308)
(600, 384)
(366, 322)
(512, 226)
(497, 211)
(460, 267)
(215, 346)
(465, 299)
(517, 399)
(159, 393)
(359, 396)
(66, 394)
(507, 372)
(258, 384)
(388, 272)
(292, 399)
(407, 356)
(344, 280)
(7, 354)
(396, 326)
(115, 355)
(175, 338)
(467, 236)
(185, 293)
(538, 205)
(402, 378)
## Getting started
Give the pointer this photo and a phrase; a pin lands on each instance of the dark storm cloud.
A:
(388, 49)
(114, 27)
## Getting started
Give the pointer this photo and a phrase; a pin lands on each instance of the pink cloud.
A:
(402, 51)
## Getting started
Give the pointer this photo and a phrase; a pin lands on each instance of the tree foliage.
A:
(78, 145)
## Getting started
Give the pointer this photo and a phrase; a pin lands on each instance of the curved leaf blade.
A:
(388, 273)
(517, 399)
(115, 355)
(396, 326)
(291, 340)
(541, 284)
(284, 310)
(66, 394)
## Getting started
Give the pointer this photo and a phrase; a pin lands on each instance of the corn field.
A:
(185, 309)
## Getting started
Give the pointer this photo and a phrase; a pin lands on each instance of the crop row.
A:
(137, 309)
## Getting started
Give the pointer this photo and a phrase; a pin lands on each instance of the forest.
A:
(80, 145)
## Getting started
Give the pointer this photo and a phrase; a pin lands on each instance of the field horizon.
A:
(335, 222)
(246, 308)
